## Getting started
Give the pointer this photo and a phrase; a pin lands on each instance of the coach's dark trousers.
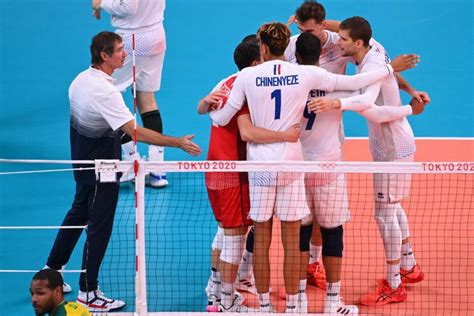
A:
(94, 206)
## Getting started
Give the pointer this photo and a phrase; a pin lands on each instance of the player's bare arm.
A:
(253, 134)
(206, 104)
(420, 96)
(149, 136)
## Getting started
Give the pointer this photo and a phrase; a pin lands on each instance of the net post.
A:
(141, 306)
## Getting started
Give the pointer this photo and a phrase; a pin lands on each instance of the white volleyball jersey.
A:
(330, 58)
(144, 18)
(322, 134)
(390, 140)
(276, 93)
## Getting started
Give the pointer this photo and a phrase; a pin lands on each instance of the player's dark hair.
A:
(359, 29)
(308, 49)
(250, 38)
(276, 36)
(103, 42)
(310, 10)
(53, 277)
(245, 53)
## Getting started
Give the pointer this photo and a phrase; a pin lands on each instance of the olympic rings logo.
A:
(327, 166)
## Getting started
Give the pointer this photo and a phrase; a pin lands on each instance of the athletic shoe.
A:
(213, 291)
(96, 301)
(384, 294)
(338, 307)
(237, 305)
(158, 180)
(130, 175)
(66, 287)
(316, 275)
(246, 285)
(414, 275)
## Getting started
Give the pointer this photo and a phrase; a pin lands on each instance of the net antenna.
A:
(140, 262)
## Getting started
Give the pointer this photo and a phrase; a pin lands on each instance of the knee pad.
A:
(387, 221)
(250, 240)
(333, 243)
(152, 120)
(218, 239)
(305, 237)
(232, 249)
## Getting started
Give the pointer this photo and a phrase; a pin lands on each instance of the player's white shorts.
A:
(287, 202)
(148, 73)
(393, 187)
(329, 203)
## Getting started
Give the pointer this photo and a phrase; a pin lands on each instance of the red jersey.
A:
(226, 144)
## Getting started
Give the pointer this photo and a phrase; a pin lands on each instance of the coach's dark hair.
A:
(359, 29)
(308, 49)
(103, 42)
(53, 277)
(250, 38)
(246, 53)
(310, 10)
(276, 36)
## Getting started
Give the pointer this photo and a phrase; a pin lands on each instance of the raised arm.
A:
(252, 134)
(119, 8)
(359, 81)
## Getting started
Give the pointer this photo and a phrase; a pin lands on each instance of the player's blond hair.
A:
(276, 36)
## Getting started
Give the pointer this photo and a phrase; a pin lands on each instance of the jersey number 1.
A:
(276, 94)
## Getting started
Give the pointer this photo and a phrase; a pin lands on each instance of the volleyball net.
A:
(159, 256)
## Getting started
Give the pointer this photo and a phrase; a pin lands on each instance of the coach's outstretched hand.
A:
(404, 62)
(188, 146)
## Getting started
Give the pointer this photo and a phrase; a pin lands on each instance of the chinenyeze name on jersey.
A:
(277, 79)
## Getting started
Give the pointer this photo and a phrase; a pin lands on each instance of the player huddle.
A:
(285, 104)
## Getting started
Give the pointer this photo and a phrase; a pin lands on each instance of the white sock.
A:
(227, 295)
(333, 291)
(408, 258)
(314, 253)
(156, 153)
(291, 301)
(302, 286)
(393, 275)
(215, 275)
(245, 267)
(129, 150)
(264, 300)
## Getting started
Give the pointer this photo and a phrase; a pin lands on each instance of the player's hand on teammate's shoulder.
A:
(417, 107)
(213, 100)
(404, 62)
(188, 146)
(292, 134)
(319, 105)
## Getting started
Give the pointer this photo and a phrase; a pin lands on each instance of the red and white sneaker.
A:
(317, 275)
(384, 294)
(96, 301)
(414, 275)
